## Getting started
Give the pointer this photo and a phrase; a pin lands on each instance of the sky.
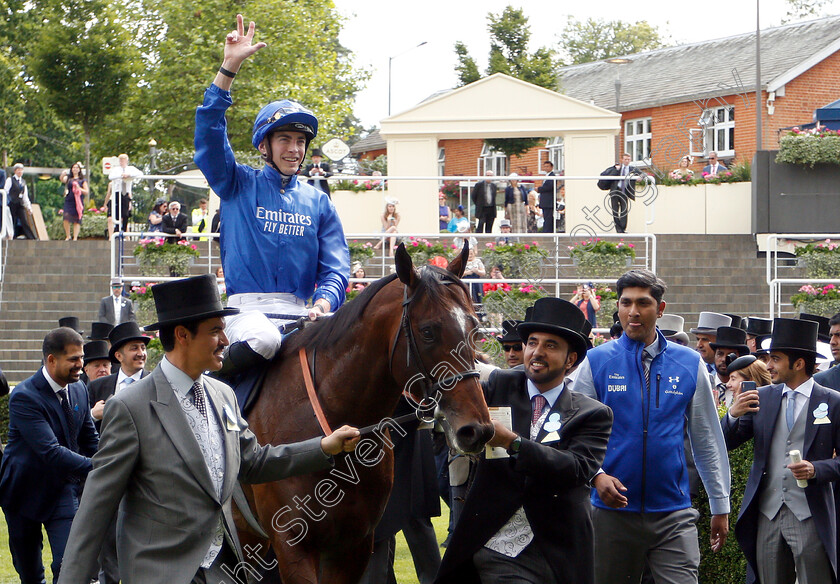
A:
(377, 29)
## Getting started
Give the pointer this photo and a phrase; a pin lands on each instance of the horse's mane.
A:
(324, 334)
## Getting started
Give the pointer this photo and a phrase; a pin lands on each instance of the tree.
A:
(509, 37)
(802, 9)
(84, 66)
(597, 39)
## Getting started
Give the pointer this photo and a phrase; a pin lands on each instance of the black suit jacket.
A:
(484, 198)
(170, 224)
(547, 191)
(829, 378)
(549, 479)
(612, 185)
(319, 184)
(821, 441)
(102, 389)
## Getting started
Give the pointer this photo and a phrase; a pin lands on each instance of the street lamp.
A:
(152, 165)
(618, 61)
(389, 71)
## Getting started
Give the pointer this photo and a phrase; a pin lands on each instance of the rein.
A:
(431, 387)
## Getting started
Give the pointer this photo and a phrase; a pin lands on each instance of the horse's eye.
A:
(428, 334)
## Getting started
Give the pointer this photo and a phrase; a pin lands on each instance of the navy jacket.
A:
(38, 463)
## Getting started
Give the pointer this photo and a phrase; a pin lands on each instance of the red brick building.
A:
(689, 99)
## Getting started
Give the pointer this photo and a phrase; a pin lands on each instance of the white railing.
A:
(780, 269)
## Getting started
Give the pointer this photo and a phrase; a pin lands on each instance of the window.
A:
(637, 139)
(441, 162)
(556, 153)
(492, 160)
(718, 124)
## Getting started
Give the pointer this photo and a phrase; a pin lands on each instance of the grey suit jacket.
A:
(149, 465)
(106, 310)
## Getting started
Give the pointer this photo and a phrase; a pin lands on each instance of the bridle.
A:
(431, 386)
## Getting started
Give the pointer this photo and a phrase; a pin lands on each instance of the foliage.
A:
(810, 147)
(600, 246)
(517, 260)
(154, 352)
(380, 164)
(360, 252)
(144, 304)
(599, 340)
(422, 250)
(728, 566)
(740, 172)
(509, 301)
(597, 39)
(821, 260)
(94, 225)
(450, 188)
(609, 304)
(822, 300)
(158, 257)
(804, 9)
(84, 67)
(509, 37)
(359, 186)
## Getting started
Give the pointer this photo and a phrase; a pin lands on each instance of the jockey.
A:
(281, 239)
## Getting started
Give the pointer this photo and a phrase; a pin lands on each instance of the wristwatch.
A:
(513, 449)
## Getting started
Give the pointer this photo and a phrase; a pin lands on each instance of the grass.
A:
(403, 564)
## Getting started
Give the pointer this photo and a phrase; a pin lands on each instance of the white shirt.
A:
(115, 176)
(53, 383)
(122, 376)
(802, 394)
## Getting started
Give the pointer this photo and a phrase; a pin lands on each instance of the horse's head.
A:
(434, 353)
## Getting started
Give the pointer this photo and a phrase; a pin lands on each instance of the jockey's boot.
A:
(240, 358)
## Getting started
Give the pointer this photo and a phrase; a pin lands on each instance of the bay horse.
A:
(413, 332)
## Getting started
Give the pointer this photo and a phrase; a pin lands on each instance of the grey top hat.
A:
(710, 322)
(670, 324)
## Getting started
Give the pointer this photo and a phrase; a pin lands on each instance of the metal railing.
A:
(784, 270)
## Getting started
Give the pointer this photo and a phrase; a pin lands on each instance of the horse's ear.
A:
(405, 267)
(458, 265)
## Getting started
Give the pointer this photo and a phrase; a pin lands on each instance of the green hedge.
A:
(727, 566)
(809, 150)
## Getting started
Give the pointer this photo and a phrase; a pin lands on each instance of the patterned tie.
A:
(198, 398)
(646, 359)
(790, 418)
(71, 421)
(539, 404)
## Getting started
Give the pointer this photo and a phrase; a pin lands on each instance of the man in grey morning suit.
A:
(173, 446)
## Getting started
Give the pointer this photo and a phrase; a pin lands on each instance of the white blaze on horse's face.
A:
(461, 318)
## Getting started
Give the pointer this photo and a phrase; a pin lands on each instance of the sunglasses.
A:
(516, 347)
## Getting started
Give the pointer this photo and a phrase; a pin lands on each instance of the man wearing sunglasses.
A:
(512, 344)
(281, 241)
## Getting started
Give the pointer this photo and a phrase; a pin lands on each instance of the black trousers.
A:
(486, 218)
(548, 220)
(620, 208)
(20, 221)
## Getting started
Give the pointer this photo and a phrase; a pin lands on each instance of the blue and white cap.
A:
(284, 114)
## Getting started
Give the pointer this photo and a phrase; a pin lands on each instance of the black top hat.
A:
(822, 321)
(737, 321)
(124, 333)
(795, 335)
(558, 317)
(99, 331)
(317, 152)
(758, 326)
(509, 332)
(96, 350)
(730, 337)
(70, 322)
(186, 300)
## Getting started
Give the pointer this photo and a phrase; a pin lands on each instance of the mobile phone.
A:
(747, 386)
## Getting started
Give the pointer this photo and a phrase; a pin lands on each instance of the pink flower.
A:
(829, 287)
(414, 243)
(527, 246)
(193, 247)
(488, 245)
(631, 245)
(142, 290)
(454, 246)
(534, 243)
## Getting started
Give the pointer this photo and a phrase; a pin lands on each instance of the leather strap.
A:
(310, 391)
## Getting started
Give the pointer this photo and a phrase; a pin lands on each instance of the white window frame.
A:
(696, 142)
(638, 143)
(441, 162)
(556, 153)
(492, 160)
(719, 122)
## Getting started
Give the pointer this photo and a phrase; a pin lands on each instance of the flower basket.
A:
(822, 300)
(609, 304)
(510, 301)
(810, 147)
(94, 226)
(597, 258)
(360, 252)
(422, 250)
(821, 260)
(158, 257)
(144, 303)
(517, 260)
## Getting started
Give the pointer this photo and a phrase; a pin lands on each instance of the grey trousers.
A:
(788, 549)
(624, 540)
(529, 567)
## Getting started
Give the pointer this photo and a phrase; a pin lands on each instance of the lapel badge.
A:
(553, 423)
(550, 437)
(821, 414)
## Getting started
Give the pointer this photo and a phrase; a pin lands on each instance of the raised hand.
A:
(239, 44)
